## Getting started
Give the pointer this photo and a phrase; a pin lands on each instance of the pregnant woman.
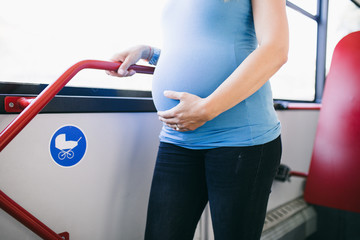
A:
(220, 142)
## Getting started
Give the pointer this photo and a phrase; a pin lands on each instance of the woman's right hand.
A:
(129, 57)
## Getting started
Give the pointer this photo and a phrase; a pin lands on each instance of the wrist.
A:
(146, 52)
(210, 109)
(154, 56)
(150, 54)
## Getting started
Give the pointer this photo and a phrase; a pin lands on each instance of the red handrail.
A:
(35, 106)
(303, 106)
(49, 93)
(24, 102)
(298, 174)
(28, 220)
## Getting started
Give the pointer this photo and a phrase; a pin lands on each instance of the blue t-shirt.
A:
(204, 42)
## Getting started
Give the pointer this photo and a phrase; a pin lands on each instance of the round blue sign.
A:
(68, 146)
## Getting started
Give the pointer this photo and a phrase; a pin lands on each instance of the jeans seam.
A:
(257, 171)
(256, 176)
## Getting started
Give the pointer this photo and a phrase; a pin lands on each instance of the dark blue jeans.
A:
(236, 181)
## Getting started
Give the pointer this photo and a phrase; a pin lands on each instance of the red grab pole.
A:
(49, 93)
(28, 220)
(32, 108)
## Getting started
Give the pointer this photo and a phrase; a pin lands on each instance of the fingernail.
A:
(121, 72)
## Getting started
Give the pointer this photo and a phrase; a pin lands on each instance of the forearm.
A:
(249, 77)
(273, 36)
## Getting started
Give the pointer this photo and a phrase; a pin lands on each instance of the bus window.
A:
(296, 79)
(40, 39)
(300, 79)
(344, 18)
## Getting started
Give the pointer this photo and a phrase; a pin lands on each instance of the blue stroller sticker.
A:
(68, 146)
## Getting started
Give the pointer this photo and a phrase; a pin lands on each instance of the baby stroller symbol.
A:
(68, 146)
(65, 147)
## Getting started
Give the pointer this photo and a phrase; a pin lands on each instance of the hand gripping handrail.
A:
(32, 108)
(49, 93)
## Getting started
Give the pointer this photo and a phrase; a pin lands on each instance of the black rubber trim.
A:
(82, 100)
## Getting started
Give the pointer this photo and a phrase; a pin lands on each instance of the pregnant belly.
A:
(197, 72)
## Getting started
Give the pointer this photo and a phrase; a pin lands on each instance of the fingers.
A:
(124, 67)
(128, 58)
(168, 118)
(123, 70)
(187, 115)
(173, 120)
(173, 115)
(128, 73)
(173, 94)
(178, 127)
(166, 114)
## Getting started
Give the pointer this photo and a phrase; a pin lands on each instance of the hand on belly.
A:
(190, 114)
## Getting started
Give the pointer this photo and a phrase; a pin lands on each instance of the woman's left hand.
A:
(191, 112)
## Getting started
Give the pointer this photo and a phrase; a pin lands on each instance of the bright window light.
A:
(296, 79)
(40, 39)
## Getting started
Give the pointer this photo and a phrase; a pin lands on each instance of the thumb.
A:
(172, 94)
(123, 69)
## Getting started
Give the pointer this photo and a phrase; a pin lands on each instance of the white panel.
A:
(298, 134)
(103, 197)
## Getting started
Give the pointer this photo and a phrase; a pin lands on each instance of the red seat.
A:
(334, 174)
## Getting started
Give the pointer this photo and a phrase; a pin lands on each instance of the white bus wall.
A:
(105, 195)
(298, 135)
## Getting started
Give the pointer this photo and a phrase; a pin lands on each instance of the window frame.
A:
(321, 19)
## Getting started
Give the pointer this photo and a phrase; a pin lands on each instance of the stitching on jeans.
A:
(257, 175)
(238, 164)
(257, 171)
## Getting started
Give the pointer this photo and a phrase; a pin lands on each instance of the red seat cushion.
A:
(334, 175)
